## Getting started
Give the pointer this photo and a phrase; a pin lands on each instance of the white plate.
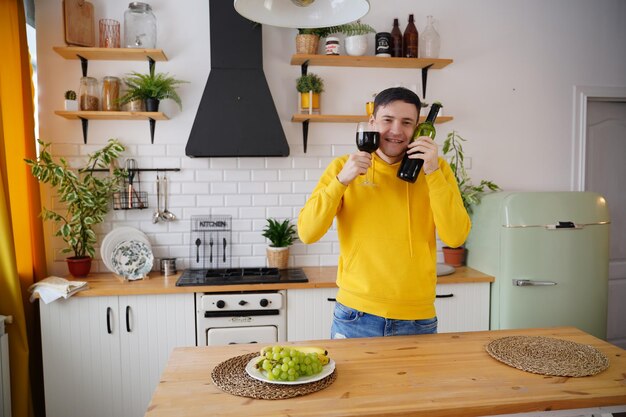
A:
(132, 259)
(257, 374)
(445, 269)
(114, 237)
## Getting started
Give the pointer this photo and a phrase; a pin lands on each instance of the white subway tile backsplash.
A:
(291, 175)
(278, 212)
(252, 188)
(192, 188)
(251, 237)
(265, 175)
(210, 175)
(210, 200)
(250, 163)
(223, 163)
(278, 187)
(300, 163)
(252, 212)
(296, 200)
(265, 200)
(279, 163)
(224, 188)
(237, 175)
(238, 200)
(304, 186)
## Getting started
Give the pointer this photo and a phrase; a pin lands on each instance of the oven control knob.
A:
(220, 304)
(243, 302)
(264, 302)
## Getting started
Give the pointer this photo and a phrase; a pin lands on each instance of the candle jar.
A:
(140, 28)
(109, 33)
(110, 93)
(332, 46)
(89, 98)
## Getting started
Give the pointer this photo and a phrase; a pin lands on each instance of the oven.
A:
(241, 317)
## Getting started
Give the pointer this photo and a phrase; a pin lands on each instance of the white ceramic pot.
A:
(71, 105)
(356, 45)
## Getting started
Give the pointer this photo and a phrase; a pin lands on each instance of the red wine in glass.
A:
(367, 140)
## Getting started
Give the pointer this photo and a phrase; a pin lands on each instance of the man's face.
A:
(396, 122)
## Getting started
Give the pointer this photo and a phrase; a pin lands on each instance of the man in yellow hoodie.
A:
(387, 270)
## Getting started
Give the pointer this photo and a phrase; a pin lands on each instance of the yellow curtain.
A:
(22, 256)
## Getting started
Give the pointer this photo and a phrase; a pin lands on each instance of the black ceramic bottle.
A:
(410, 168)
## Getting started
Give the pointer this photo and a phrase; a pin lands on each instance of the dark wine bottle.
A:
(410, 168)
(396, 38)
(409, 42)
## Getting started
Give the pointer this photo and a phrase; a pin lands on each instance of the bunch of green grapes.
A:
(283, 363)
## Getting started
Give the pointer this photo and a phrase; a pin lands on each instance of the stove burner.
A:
(233, 276)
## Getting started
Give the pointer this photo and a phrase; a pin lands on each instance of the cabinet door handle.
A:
(109, 312)
(332, 300)
(128, 319)
(444, 295)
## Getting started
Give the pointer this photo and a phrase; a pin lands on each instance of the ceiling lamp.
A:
(302, 13)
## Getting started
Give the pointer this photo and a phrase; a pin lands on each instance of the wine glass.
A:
(367, 140)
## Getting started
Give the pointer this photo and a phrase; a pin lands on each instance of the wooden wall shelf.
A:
(110, 54)
(111, 115)
(368, 61)
(347, 118)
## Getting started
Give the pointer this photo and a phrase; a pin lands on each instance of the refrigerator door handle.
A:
(531, 283)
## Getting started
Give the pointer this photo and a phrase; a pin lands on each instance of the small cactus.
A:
(70, 95)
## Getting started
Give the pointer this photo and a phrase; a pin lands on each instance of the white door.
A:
(150, 327)
(310, 313)
(605, 174)
(81, 357)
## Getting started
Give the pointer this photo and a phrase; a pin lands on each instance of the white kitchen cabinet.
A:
(310, 313)
(460, 308)
(103, 356)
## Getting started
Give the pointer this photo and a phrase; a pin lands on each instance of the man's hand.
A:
(430, 153)
(357, 164)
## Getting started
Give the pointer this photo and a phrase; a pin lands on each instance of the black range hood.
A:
(237, 115)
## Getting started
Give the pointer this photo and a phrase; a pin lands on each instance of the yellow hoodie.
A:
(387, 243)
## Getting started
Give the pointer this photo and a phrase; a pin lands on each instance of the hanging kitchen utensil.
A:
(131, 168)
(156, 216)
(79, 23)
(224, 253)
(167, 215)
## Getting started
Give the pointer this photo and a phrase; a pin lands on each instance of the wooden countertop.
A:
(448, 374)
(319, 277)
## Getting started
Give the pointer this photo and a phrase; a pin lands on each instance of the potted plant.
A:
(309, 87)
(356, 37)
(151, 88)
(86, 197)
(70, 101)
(281, 235)
(307, 40)
(470, 194)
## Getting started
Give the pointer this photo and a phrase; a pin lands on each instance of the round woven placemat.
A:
(548, 356)
(231, 377)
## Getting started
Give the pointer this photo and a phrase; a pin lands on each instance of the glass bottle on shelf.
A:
(396, 37)
(429, 41)
(89, 97)
(110, 93)
(410, 39)
(140, 28)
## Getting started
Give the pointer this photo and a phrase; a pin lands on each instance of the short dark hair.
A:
(397, 94)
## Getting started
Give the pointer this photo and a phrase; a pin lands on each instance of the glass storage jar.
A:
(110, 93)
(139, 26)
(89, 97)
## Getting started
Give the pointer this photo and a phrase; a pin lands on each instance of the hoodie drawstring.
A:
(408, 214)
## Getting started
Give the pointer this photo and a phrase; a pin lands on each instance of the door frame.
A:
(582, 95)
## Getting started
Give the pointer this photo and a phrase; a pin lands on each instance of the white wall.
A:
(510, 90)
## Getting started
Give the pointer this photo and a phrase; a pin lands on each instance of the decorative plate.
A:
(114, 237)
(132, 259)
(255, 373)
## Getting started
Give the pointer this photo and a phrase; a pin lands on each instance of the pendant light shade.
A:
(302, 13)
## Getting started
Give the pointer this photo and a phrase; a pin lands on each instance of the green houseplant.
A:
(151, 88)
(310, 86)
(470, 194)
(86, 198)
(281, 235)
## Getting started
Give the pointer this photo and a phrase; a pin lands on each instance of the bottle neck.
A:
(395, 22)
(410, 18)
(432, 114)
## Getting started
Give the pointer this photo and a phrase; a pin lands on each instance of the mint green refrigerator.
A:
(549, 254)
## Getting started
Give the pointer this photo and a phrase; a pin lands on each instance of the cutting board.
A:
(79, 23)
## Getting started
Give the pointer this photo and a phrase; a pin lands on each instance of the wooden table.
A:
(447, 374)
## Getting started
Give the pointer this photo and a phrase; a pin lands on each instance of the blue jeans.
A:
(351, 323)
